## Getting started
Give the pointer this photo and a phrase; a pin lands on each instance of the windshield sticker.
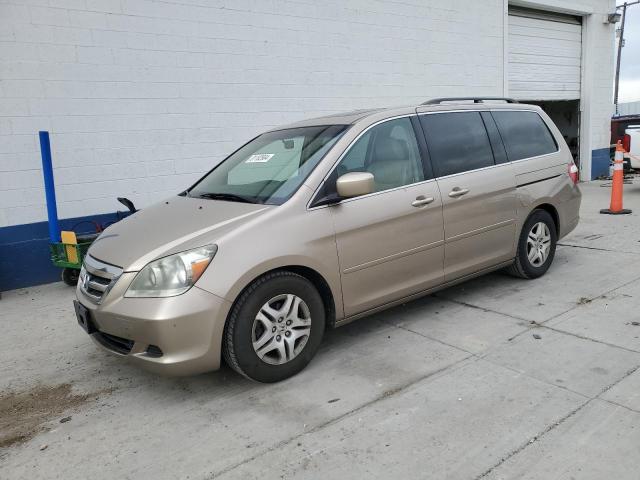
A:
(260, 158)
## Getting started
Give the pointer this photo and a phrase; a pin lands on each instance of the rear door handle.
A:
(458, 192)
(421, 201)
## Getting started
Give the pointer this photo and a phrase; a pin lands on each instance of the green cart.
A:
(69, 257)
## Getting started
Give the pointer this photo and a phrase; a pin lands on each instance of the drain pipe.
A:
(49, 187)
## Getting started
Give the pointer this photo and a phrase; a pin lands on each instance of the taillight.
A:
(573, 172)
(626, 142)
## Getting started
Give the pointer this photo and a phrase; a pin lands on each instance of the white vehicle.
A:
(631, 144)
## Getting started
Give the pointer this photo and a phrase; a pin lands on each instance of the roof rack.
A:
(437, 101)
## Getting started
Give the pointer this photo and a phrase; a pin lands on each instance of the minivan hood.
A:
(174, 225)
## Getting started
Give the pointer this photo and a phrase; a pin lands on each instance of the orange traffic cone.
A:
(615, 207)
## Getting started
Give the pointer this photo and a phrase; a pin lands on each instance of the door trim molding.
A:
(478, 231)
(395, 256)
(538, 181)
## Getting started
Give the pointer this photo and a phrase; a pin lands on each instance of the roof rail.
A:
(437, 101)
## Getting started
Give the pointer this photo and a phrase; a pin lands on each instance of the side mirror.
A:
(128, 203)
(355, 184)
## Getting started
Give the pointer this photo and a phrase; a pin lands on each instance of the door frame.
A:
(427, 168)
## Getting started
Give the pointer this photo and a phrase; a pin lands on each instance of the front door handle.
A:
(458, 192)
(422, 201)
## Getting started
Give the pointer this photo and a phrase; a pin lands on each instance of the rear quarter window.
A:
(524, 134)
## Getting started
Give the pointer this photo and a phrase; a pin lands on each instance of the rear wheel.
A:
(536, 246)
(275, 327)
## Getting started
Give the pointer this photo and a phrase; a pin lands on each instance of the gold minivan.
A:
(315, 224)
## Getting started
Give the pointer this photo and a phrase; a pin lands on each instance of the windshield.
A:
(271, 167)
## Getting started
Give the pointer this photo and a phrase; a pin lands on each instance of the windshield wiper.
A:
(231, 197)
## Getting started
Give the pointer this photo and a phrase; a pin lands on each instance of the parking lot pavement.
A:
(454, 385)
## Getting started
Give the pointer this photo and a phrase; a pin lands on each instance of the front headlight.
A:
(172, 275)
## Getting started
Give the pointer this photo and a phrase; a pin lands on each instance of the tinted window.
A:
(390, 152)
(458, 142)
(524, 134)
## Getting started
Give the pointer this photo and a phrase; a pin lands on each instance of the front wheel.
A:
(275, 327)
(536, 246)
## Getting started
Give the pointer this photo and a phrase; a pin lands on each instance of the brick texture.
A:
(142, 97)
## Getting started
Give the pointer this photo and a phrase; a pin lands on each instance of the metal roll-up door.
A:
(544, 54)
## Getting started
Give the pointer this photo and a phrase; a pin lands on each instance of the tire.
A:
(263, 305)
(523, 267)
(70, 276)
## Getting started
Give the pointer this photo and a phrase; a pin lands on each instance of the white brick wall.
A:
(142, 96)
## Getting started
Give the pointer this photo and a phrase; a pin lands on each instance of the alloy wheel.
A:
(538, 244)
(281, 329)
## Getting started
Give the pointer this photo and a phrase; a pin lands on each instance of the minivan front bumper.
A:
(179, 335)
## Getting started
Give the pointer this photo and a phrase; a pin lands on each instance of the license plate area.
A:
(83, 315)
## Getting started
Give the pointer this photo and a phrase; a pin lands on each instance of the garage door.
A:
(544, 55)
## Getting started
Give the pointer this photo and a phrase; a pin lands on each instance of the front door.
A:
(390, 242)
(479, 194)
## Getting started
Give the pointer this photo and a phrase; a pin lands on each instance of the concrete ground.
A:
(496, 378)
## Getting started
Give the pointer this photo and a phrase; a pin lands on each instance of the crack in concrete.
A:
(536, 324)
(612, 402)
(537, 437)
(627, 374)
(537, 379)
(430, 338)
(386, 394)
(554, 425)
(484, 356)
(596, 248)
(582, 337)
(484, 309)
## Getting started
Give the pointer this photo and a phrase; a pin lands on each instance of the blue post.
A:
(49, 187)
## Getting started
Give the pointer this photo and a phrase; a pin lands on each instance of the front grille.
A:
(97, 278)
(117, 344)
(96, 286)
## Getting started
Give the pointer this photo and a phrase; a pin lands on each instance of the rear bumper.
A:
(569, 211)
(179, 335)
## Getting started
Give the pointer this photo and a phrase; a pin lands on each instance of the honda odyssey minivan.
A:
(318, 223)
